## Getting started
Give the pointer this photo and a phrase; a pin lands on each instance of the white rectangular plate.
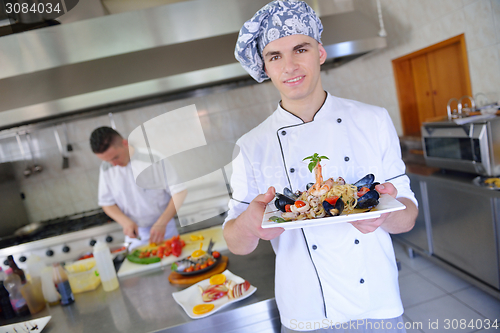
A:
(386, 204)
(34, 325)
(191, 296)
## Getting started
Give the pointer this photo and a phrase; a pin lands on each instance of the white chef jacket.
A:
(143, 206)
(333, 272)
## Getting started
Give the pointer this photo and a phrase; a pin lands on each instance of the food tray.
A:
(191, 296)
(386, 204)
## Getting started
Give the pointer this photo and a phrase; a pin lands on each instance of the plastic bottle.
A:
(48, 287)
(32, 290)
(15, 269)
(105, 266)
(62, 284)
(13, 285)
(5, 305)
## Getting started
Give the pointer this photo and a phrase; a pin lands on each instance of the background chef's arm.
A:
(157, 232)
(129, 226)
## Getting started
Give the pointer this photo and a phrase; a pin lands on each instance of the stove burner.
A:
(59, 226)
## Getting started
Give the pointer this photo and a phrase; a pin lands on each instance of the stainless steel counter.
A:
(144, 303)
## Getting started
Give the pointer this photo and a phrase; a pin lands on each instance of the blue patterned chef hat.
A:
(277, 19)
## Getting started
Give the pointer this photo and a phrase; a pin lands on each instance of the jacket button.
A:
(283, 132)
(361, 281)
(292, 170)
(314, 247)
(339, 120)
(346, 158)
(356, 241)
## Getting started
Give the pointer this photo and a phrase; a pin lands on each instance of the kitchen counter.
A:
(144, 303)
(457, 226)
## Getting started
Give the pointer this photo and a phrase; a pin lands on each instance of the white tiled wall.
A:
(410, 24)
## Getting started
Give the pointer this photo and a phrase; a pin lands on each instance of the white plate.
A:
(25, 326)
(191, 296)
(386, 204)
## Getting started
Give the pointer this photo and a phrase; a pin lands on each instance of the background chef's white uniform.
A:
(330, 273)
(143, 206)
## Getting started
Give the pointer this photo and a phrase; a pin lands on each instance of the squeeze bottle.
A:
(13, 285)
(105, 266)
(48, 287)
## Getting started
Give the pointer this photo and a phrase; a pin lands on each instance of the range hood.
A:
(69, 68)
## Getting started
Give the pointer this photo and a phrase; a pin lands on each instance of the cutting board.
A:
(215, 233)
(176, 278)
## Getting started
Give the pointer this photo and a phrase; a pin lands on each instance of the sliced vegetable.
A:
(277, 219)
(202, 308)
(136, 259)
(217, 279)
(332, 200)
(299, 203)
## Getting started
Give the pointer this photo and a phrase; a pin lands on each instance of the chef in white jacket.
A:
(145, 214)
(333, 278)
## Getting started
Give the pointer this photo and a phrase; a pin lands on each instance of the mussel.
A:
(334, 210)
(366, 181)
(368, 200)
(287, 192)
(282, 200)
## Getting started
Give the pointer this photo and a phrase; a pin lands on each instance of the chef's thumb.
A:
(269, 195)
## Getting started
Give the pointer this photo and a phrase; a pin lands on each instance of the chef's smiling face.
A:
(293, 64)
(116, 154)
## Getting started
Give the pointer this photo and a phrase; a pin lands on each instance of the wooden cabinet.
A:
(428, 78)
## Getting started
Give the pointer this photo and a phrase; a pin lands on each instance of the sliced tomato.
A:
(299, 203)
(287, 208)
(332, 200)
(362, 191)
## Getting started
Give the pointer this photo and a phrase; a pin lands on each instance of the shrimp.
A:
(320, 187)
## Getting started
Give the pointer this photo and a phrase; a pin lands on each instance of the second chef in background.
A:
(147, 213)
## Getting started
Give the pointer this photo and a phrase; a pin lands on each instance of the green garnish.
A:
(315, 159)
(277, 219)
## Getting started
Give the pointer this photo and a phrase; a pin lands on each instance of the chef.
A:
(146, 214)
(334, 278)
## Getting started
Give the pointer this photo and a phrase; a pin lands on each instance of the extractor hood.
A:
(68, 68)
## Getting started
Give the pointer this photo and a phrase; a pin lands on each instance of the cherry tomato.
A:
(287, 208)
(205, 265)
(197, 267)
(210, 262)
(332, 200)
(299, 203)
(189, 269)
(154, 252)
(215, 254)
(362, 191)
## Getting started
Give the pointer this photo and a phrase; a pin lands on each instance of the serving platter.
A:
(191, 296)
(386, 204)
(34, 325)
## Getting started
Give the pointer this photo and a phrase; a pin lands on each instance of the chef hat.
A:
(275, 20)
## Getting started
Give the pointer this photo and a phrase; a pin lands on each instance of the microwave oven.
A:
(470, 145)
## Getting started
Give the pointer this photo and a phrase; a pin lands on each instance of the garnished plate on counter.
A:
(208, 296)
(492, 183)
(34, 325)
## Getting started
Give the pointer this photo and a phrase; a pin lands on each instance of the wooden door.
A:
(427, 79)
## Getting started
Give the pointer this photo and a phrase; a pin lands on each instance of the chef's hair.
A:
(102, 138)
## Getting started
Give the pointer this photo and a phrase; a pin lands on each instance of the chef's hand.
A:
(130, 229)
(157, 233)
(367, 226)
(252, 216)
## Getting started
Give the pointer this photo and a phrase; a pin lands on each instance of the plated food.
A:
(198, 262)
(210, 295)
(326, 198)
(491, 183)
(153, 253)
